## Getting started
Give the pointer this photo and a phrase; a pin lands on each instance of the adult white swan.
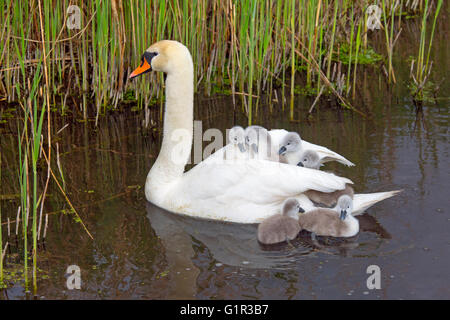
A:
(245, 191)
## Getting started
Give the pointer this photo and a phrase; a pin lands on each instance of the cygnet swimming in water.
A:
(336, 222)
(281, 227)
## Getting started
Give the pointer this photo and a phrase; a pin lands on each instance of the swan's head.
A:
(291, 208)
(236, 135)
(310, 159)
(167, 56)
(291, 142)
(254, 135)
(344, 206)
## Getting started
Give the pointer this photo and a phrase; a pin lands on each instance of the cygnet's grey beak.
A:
(301, 210)
(282, 150)
(343, 214)
(241, 147)
(300, 164)
(255, 147)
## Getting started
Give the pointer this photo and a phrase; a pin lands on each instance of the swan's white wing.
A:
(276, 135)
(228, 152)
(246, 191)
(232, 152)
(325, 154)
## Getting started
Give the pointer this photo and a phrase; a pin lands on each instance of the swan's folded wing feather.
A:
(276, 135)
(228, 152)
(326, 154)
(256, 180)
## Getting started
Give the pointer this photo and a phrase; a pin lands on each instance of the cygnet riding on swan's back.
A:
(236, 136)
(246, 191)
(292, 148)
(253, 135)
(259, 143)
(310, 159)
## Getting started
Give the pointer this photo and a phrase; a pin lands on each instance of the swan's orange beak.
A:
(143, 68)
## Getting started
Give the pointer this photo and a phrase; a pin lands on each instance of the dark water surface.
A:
(140, 251)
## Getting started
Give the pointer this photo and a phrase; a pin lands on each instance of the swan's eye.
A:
(288, 143)
(305, 159)
(148, 56)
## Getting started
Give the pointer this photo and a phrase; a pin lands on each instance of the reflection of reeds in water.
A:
(250, 47)
(27, 140)
(30, 154)
(29, 149)
(107, 155)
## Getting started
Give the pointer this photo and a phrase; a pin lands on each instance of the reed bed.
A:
(245, 48)
(420, 86)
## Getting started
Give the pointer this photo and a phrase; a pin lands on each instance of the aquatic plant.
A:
(421, 87)
(246, 47)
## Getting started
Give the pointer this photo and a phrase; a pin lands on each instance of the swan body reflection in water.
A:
(236, 244)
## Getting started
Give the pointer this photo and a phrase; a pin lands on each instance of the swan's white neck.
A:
(177, 135)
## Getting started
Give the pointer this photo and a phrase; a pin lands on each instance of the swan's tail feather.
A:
(363, 201)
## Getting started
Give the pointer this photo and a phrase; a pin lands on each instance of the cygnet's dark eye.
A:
(288, 143)
(305, 159)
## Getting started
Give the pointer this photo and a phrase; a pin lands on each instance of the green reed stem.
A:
(1, 239)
